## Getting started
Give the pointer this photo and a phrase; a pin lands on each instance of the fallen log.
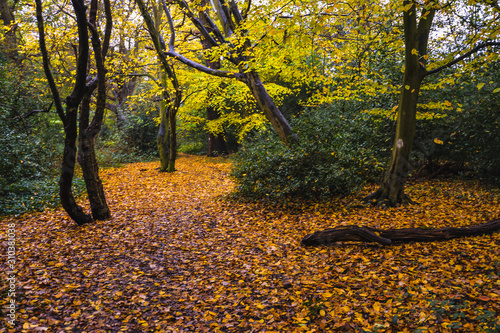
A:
(387, 237)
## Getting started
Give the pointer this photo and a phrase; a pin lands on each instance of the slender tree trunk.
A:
(162, 138)
(267, 105)
(172, 122)
(216, 142)
(88, 161)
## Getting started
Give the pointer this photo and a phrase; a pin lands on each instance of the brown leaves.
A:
(176, 257)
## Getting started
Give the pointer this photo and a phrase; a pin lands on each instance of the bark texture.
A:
(168, 72)
(387, 237)
(391, 192)
(90, 129)
(81, 96)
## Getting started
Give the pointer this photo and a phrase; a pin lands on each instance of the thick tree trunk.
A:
(90, 170)
(216, 143)
(391, 192)
(387, 237)
(271, 111)
(90, 130)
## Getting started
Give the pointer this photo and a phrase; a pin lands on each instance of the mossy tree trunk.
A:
(391, 192)
(162, 137)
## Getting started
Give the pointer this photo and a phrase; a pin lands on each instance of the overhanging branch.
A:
(462, 57)
(203, 68)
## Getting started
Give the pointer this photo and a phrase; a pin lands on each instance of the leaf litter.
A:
(178, 257)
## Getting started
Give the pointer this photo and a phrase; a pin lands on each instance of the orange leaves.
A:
(176, 256)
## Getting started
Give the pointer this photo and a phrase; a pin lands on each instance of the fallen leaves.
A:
(176, 257)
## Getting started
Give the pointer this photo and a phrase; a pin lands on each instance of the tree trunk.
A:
(90, 169)
(271, 111)
(387, 237)
(88, 161)
(162, 138)
(172, 122)
(391, 192)
(9, 46)
(216, 142)
(68, 170)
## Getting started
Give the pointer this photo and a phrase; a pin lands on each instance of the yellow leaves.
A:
(480, 86)
(437, 141)
(236, 266)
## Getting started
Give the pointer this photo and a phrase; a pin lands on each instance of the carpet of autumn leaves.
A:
(177, 257)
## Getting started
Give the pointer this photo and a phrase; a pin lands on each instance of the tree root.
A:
(381, 198)
(405, 235)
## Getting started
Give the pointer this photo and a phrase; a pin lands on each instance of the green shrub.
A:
(35, 194)
(30, 145)
(337, 152)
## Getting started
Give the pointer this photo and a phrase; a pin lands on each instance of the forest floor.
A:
(177, 257)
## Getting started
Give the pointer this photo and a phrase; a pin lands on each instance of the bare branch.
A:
(46, 62)
(108, 29)
(247, 9)
(29, 114)
(203, 68)
(462, 57)
(171, 43)
(197, 22)
(148, 76)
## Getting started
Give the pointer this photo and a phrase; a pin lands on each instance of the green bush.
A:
(469, 130)
(337, 152)
(35, 194)
(30, 145)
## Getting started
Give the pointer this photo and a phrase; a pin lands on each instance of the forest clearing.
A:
(176, 256)
(250, 166)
